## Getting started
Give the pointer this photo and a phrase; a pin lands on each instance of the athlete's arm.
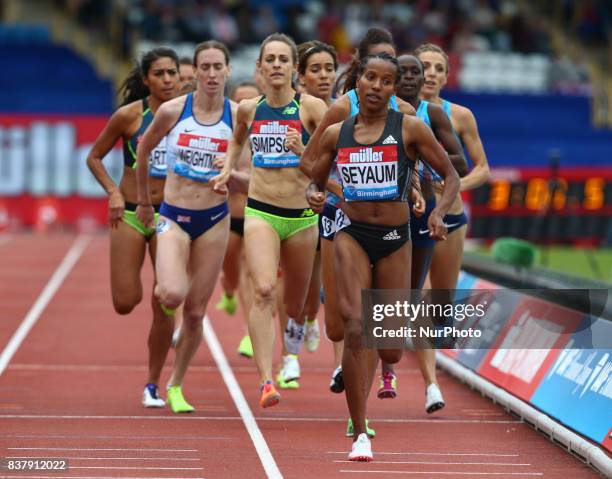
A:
(420, 137)
(443, 131)
(116, 127)
(165, 117)
(245, 113)
(315, 193)
(336, 113)
(469, 134)
(405, 107)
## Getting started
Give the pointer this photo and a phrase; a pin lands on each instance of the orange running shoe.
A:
(269, 395)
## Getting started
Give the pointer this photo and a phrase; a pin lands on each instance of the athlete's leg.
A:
(352, 266)
(127, 251)
(311, 307)
(426, 357)
(160, 334)
(262, 251)
(297, 259)
(205, 260)
(334, 327)
(230, 277)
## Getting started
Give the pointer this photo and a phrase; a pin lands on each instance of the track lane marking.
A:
(261, 446)
(45, 297)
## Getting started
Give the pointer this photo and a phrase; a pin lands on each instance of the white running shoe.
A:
(294, 336)
(312, 335)
(434, 400)
(290, 370)
(362, 449)
(150, 397)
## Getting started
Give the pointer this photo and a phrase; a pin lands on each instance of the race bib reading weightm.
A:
(195, 156)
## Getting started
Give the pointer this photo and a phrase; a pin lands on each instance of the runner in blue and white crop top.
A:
(192, 146)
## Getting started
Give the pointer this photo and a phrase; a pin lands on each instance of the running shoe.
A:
(177, 402)
(282, 384)
(361, 450)
(269, 395)
(349, 429)
(294, 336)
(150, 396)
(434, 400)
(245, 348)
(336, 385)
(229, 304)
(290, 370)
(388, 386)
(312, 336)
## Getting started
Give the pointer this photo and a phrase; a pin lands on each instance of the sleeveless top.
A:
(193, 146)
(376, 172)
(268, 132)
(157, 159)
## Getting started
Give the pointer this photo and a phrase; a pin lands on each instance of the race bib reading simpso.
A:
(268, 143)
(195, 156)
(368, 173)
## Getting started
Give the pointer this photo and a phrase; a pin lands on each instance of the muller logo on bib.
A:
(197, 142)
(368, 173)
(268, 143)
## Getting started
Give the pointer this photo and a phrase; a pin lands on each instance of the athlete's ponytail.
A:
(133, 87)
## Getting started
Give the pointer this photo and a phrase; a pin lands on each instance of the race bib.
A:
(157, 162)
(368, 173)
(268, 143)
(195, 155)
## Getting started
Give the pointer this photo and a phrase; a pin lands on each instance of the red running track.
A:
(72, 390)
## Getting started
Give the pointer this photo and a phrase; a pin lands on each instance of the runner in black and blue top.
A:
(422, 244)
(446, 260)
(376, 152)
(129, 237)
(279, 224)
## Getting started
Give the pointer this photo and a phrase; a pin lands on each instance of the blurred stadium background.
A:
(536, 75)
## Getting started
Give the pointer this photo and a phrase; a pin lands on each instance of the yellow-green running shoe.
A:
(177, 402)
(245, 348)
(286, 385)
(227, 304)
(349, 429)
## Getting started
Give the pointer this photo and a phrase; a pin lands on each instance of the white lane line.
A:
(96, 449)
(60, 274)
(487, 454)
(438, 463)
(445, 473)
(263, 451)
(114, 458)
(237, 418)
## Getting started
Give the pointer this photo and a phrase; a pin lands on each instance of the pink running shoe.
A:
(388, 386)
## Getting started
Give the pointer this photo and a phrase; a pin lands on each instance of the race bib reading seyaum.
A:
(368, 173)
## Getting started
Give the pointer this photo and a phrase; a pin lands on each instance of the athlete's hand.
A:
(315, 198)
(293, 141)
(418, 202)
(437, 228)
(116, 206)
(146, 215)
(219, 162)
(219, 182)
